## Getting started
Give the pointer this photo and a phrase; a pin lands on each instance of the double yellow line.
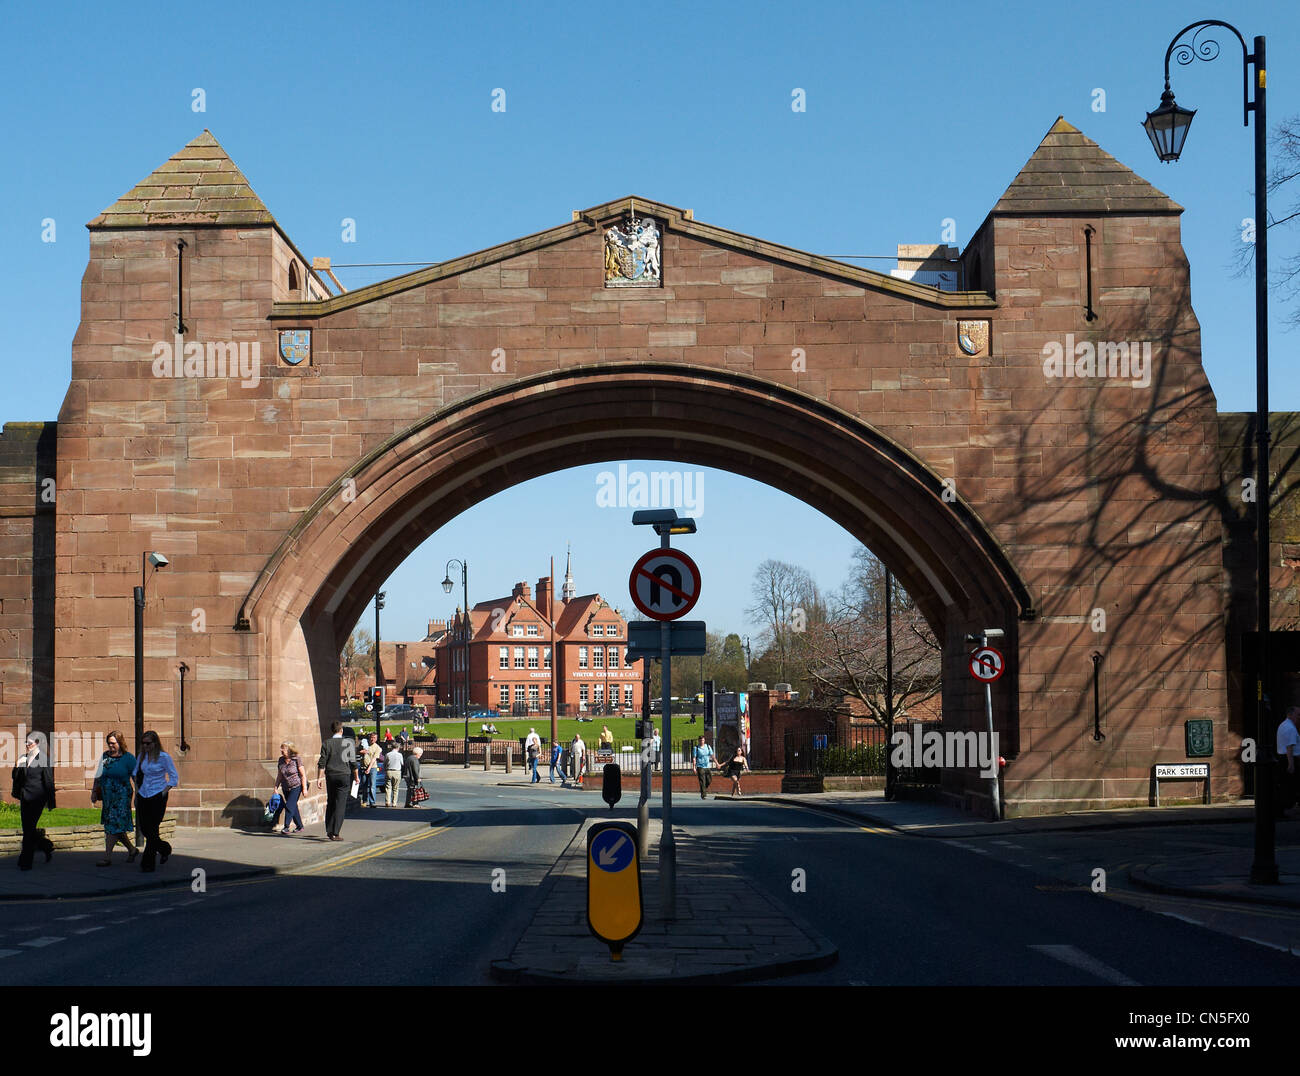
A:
(380, 849)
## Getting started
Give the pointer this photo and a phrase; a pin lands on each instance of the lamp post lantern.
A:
(1167, 128)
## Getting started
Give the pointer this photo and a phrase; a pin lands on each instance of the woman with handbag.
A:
(415, 793)
(113, 787)
(155, 776)
(289, 778)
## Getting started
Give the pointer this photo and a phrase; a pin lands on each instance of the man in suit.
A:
(33, 788)
(336, 769)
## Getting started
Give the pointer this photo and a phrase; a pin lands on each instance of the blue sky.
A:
(382, 114)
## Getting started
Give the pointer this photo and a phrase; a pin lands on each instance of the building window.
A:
(613, 657)
(518, 631)
(582, 694)
(532, 657)
(627, 696)
(532, 629)
(598, 630)
(532, 696)
(505, 696)
(546, 695)
(598, 655)
(611, 631)
(546, 658)
(520, 699)
(582, 657)
(600, 694)
(503, 658)
(519, 657)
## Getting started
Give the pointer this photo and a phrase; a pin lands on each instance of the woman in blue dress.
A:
(113, 786)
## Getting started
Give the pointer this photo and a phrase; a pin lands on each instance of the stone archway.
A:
(315, 586)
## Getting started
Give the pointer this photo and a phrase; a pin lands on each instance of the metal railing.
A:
(856, 750)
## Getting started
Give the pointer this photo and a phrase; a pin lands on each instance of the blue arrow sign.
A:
(612, 851)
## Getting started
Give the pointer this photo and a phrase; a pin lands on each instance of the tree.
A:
(784, 596)
(1283, 173)
(356, 660)
(844, 655)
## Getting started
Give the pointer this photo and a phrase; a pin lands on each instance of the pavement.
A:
(222, 854)
(725, 930)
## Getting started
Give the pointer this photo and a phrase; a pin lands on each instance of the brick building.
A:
(525, 649)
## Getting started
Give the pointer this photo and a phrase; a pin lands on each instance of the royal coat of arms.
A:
(632, 254)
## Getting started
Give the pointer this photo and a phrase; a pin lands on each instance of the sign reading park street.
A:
(665, 584)
(613, 884)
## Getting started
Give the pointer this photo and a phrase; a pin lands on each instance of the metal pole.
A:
(1263, 869)
(139, 666)
(464, 635)
(379, 732)
(891, 775)
(995, 794)
(667, 844)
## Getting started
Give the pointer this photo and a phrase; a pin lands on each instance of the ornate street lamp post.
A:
(464, 636)
(1167, 128)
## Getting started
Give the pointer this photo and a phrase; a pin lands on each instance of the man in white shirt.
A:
(1288, 756)
(532, 752)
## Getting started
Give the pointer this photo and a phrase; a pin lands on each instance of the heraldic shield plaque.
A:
(295, 346)
(632, 254)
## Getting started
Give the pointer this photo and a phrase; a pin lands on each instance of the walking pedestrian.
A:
(33, 788)
(1288, 754)
(655, 743)
(533, 747)
(290, 780)
(411, 770)
(370, 759)
(113, 787)
(578, 752)
(155, 776)
(738, 765)
(392, 774)
(705, 762)
(336, 769)
(606, 737)
(557, 752)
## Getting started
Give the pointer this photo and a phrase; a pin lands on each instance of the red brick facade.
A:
(510, 650)
(998, 496)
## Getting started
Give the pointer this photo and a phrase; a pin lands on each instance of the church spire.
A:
(570, 588)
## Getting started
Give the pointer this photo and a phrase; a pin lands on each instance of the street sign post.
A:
(613, 884)
(686, 637)
(664, 584)
(986, 665)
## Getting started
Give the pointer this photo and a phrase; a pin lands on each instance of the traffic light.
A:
(369, 695)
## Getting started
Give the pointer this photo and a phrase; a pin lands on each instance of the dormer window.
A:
(294, 282)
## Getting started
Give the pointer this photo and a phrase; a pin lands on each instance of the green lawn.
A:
(623, 728)
(60, 816)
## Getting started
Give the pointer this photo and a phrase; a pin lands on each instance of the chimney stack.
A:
(544, 596)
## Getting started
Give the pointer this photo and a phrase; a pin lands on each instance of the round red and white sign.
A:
(665, 584)
(987, 664)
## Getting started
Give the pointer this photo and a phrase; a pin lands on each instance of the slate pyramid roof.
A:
(1070, 173)
(198, 185)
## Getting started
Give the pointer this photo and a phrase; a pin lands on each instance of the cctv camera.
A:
(158, 560)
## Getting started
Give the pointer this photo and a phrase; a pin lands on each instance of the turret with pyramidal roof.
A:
(196, 185)
(1070, 173)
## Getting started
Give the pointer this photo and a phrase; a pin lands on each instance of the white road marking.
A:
(9, 952)
(70, 918)
(87, 930)
(39, 943)
(1077, 958)
(157, 911)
